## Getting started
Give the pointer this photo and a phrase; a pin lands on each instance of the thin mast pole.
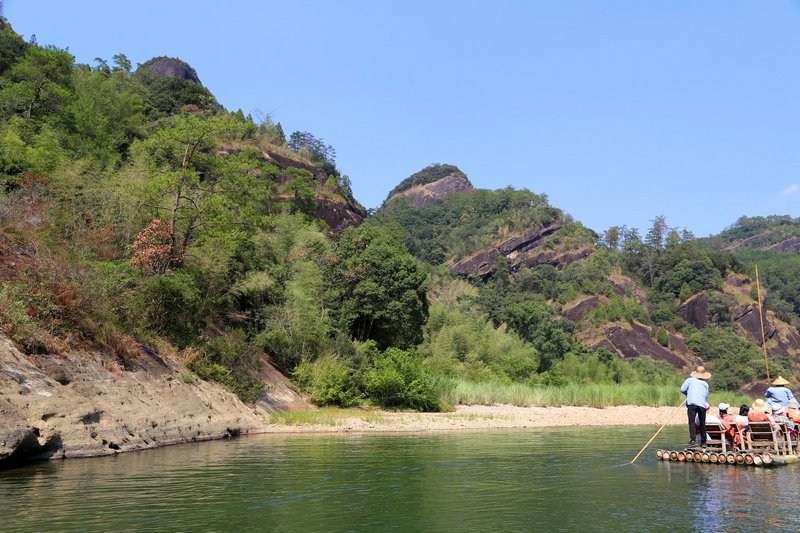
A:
(761, 318)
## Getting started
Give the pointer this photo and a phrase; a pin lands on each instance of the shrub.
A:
(398, 379)
(231, 360)
(172, 301)
(330, 380)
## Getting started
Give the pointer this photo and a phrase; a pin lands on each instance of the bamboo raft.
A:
(760, 445)
(720, 458)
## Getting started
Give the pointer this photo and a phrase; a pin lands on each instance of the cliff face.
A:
(82, 404)
(526, 249)
(426, 194)
(339, 214)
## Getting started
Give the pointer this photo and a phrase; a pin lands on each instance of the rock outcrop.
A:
(791, 244)
(422, 195)
(82, 404)
(634, 340)
(576, 311)
(525, 249)
(782, 339)
(170, 67)
(337, 214)
(695, 310)
(284, 161)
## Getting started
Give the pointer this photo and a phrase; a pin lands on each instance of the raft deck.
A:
(764, 459)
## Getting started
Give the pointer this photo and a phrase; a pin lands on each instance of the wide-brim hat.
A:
(760, 405)
(780, 381)
(701, 373)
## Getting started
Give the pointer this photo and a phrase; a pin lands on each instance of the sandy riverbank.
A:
(477, 417)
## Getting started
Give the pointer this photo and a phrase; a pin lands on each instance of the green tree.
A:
(377, 288)
(12, 46)
(39, 82)
(187, 179)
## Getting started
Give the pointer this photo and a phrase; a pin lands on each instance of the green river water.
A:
(524, 480)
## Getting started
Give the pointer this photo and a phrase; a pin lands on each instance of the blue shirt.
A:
(778, 395)
(696, 391)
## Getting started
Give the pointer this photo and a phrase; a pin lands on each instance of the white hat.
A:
(723, 406)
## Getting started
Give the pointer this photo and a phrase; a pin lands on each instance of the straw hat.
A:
(780, 381)
(702, 373)
(760, 405)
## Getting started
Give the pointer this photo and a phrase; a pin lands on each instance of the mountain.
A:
(777, 233)
(668, 297)
(160, 254)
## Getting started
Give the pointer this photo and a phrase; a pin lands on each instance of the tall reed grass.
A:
(592, 395)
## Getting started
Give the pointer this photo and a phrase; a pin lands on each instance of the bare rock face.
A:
(748, 318)
(556, 258)
(339, 216)
(83, 404)
(422, 195)
(169, 67)
(633, 341)
(695, 310)
(284, 161)
(789, 245)
(576, 311)
(278, 397)
(782, 339)
(521, 250)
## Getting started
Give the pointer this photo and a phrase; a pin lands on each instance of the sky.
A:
(618, 111)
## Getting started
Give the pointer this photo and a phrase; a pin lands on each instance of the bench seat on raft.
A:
(717, 438)
(762, 437)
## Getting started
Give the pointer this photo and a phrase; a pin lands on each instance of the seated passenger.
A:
(728, 422)
(741, 418)
(793, 412)
(758, 412)
(779, 417)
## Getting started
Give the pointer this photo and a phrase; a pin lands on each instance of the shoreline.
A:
(476, 417)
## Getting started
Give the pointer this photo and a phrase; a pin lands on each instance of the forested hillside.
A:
(135, 211)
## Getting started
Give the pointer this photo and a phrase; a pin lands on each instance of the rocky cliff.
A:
(425, 194)
(83, 404)
(526, 249)
(338, 213)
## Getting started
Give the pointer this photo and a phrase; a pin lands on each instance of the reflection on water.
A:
(543, 479)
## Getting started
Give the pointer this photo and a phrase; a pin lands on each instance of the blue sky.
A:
(619, 110)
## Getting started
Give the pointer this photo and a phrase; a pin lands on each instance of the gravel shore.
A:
(476, 417)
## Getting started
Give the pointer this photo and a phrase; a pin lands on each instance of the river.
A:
(521, 480)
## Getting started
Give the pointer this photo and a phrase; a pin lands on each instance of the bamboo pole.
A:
(656, 434)
(761, 319)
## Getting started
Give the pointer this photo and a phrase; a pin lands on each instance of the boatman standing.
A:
(696, 390)
(779, 394)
